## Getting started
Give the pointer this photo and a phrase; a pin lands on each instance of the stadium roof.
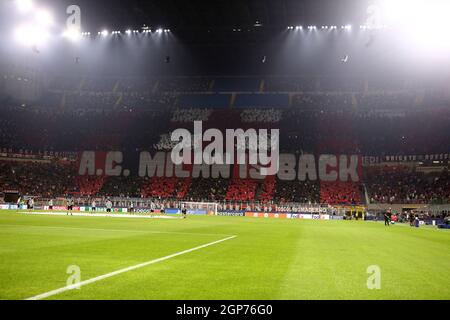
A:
(194, 18)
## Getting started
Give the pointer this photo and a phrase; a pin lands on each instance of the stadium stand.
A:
(403, 185)
(297, 192)
(343, 193)
(134, 113)
(241, 190)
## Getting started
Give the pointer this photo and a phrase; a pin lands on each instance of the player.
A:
(93, 205)
(131, 209)
(108, 205)
(411, 219)
(152, 207)
(387, 217)
(183, 212)
(30, 204)
(50, 204)
(70, 206)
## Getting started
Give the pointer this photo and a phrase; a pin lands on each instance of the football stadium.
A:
(225, 150)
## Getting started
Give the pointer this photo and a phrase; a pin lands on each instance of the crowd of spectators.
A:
(404, 185)
(79, 129)
(297, 191)
(341, 193)
(37, 178)
(159, 187)
(391, 184)
(136, 85)
(414, 132)
(241, 190)
(373, 123)
(261, 115)
(90, 100)
(65, 83)
(121, 187)
(183, 84)
(51, 100)
(8, 132)
(135, 114)
(209, 84)
(88, 185)
(182, 188)
(190, 115)
(207, 189)
(322, 101)
(165, 187)
(99, 84)
(267, 190)
(331, 84)
(165, 143)
(396, 101)
(145, 101)
(71, 129)
(290, 84)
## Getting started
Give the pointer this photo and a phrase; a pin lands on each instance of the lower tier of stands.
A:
(380, 185)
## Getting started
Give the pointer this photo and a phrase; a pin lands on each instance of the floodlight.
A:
(423, 21)
(24, 6)
(44, 17)
(30, 35)
(73, 34)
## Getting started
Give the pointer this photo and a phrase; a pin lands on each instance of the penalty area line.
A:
(117, 272)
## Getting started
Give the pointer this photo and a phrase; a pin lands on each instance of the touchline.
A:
(256, 142)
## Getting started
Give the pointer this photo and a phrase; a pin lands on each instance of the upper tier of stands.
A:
(319, 131)
(269, 84)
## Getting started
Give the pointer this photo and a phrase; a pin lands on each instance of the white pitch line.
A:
(117, 230)
(114, 273)
(109, 215)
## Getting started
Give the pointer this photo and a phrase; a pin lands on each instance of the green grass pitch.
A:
(268, 259)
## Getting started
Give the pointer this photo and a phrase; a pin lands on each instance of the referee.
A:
(387, 218)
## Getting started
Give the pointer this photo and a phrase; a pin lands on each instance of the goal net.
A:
(209, 208)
